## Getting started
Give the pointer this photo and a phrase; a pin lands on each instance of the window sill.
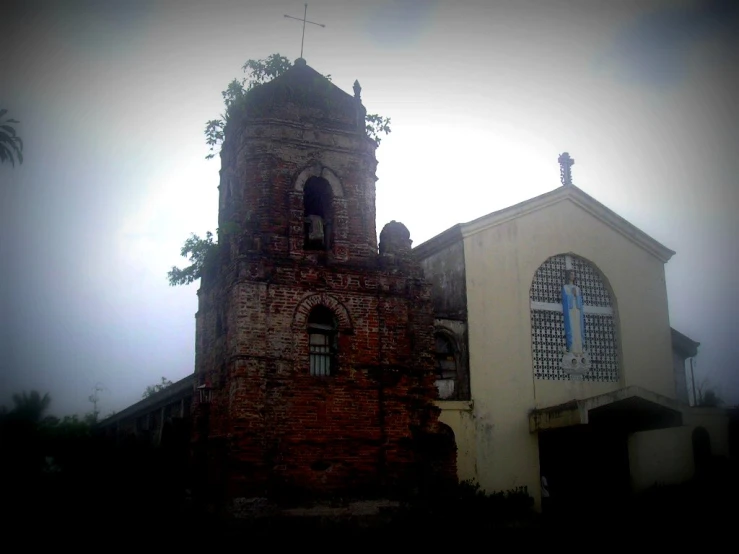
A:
(455, 405)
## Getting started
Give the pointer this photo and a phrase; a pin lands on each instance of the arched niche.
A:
(317, 170)
(574, 327)
(305, 307)
(318, 188)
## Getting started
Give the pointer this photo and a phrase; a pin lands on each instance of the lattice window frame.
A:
(547, 321)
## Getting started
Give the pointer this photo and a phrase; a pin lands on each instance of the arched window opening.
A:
(322, 326)
(701, 450)
(446, 366)
(317, 213)
(573, 328)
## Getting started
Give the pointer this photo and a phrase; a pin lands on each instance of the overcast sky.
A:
(483, 96)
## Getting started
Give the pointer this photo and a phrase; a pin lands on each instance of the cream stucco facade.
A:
(498, 445)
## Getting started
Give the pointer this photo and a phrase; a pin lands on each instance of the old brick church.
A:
(327, 364)
(314, 347)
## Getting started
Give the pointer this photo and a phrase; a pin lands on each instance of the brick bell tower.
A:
(316, 347)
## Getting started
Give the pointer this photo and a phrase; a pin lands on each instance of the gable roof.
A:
(563, 193)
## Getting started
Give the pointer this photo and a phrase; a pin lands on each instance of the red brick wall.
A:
(348, 432)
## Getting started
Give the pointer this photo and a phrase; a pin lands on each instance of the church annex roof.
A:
(176, 391)
(684, 344)
(632, 400)
(560, 194)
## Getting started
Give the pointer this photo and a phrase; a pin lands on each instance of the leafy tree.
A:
(94, 398)
(706, 395)
(710, 399)
(199, 251)
(257, 73)
(11, 145)
(21, 437)
(376, 124)
(30, 407)
(153, 389)
(68, 427)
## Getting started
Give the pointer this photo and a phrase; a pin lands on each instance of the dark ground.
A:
(134, 492)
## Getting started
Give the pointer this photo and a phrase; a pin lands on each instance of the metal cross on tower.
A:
(565, 168)
(304, 20)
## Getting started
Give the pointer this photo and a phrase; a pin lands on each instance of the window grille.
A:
(320, 354)
(322, 341)
(547, 321)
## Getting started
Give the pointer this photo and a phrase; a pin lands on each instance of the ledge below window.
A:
(455, 405)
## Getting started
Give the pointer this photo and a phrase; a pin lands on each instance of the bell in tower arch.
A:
(317, 211)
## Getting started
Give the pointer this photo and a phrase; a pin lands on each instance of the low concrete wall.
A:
(662, 456)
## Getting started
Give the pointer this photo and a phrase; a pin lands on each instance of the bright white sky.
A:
(483, 96)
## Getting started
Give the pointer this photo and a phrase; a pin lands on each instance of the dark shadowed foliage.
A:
(153, 389)
(11, 145)
(58, 472)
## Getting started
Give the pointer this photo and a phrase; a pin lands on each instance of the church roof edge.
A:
(569, 192)
(683, 343)
(178, 389)
(437, 243)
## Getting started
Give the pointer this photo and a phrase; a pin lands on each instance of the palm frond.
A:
(11, 145)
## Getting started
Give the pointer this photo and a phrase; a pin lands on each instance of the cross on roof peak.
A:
(304, 20)
(565, 168)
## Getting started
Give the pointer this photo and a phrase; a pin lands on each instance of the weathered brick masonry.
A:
(299, 147)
